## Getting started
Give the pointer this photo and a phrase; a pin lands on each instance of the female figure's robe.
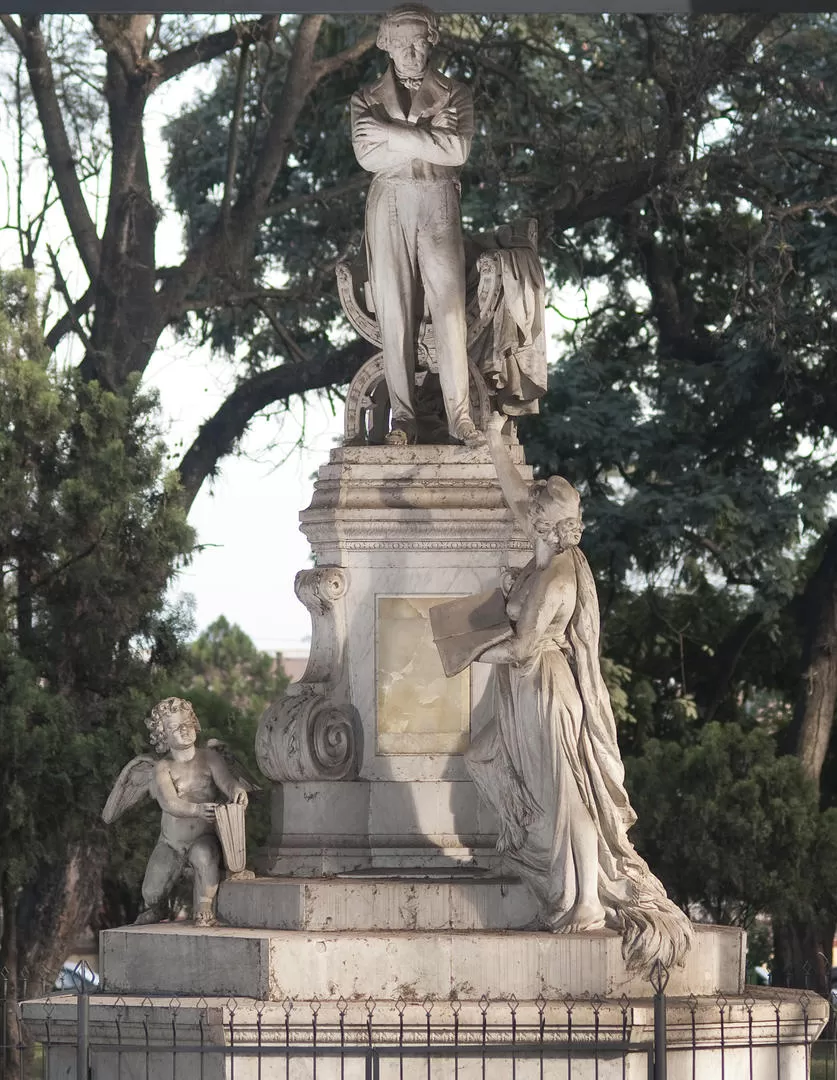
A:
(551, 753)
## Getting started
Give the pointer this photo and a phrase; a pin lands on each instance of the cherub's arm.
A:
(224, 778)
(166, 795)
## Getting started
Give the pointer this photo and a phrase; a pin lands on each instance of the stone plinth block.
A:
(279, 964)
(368, 746)
(361, 903)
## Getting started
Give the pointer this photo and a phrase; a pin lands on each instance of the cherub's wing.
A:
(239, 771)
(132, 785)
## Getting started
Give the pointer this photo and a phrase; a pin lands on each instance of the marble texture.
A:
(419, 710)
(360, 902)
(549, 761)
(414, 523)
(413, 128)
(190, 784)
(301, 964)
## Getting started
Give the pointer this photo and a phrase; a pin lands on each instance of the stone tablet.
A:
(419, 709)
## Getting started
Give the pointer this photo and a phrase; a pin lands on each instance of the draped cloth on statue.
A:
(511, 351)
(551, 753)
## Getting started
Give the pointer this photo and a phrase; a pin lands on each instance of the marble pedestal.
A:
(489, 1003)
(304, 963)
(367, 748)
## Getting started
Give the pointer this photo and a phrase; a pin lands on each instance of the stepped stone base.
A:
(429, 901)
(273, 965)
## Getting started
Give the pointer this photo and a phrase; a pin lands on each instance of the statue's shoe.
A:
(402, 433)
(150, 915)
(470, 435)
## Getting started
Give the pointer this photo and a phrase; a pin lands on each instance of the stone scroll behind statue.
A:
(199, 827)
(549, 763)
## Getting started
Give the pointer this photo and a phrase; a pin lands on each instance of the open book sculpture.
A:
(202, 793)
(464, 628)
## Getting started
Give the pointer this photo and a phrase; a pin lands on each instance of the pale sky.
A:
(247, 518)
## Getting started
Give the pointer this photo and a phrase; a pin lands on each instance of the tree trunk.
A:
(55, 909)
(41, 924)
(803, 949)
(802, 953)
(818, 695)
(10, 1062)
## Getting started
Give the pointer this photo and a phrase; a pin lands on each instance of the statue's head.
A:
(173, 724)
(408, 34)
(555, 512)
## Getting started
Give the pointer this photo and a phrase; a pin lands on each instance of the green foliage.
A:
(230, 683)
(89, 540)
(731, 826)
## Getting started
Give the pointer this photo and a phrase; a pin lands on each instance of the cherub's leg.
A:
(163, 870)
(205, 859)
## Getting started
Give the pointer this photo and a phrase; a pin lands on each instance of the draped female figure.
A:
(549, 762)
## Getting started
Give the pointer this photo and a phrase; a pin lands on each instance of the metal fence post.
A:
(82, 1022)
(659, 980)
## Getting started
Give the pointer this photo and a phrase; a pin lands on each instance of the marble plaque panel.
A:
(419, 709)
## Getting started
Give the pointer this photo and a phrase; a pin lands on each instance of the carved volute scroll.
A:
(312, 731)
(367, 402)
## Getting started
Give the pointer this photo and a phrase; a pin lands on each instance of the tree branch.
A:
(213, 45)
(235, 127)
(715, 550)
(615, 199)
(726, 660)
(14, 32)
(61, 285)
(116, 42)
(359, 182)
(219, 434)
(299, 82)
(69, 319)
(230, 248)
(330, 64)
(58, 148)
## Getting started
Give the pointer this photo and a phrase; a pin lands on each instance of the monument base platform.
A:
(176, 959)
(421, 899)
(767, 1034)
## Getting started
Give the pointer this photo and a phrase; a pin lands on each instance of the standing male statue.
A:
(413, 129)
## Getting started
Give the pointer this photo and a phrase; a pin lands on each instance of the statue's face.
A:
(180, 731)
(560, 533)
(410, 49)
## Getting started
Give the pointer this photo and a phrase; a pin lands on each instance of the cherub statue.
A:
(192, 786)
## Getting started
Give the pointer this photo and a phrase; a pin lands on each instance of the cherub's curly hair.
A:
(407, 13)
(160, 713)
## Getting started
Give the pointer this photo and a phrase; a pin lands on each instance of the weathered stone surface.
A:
(388, 526)
(275, 964)
(780, 1024)
(361, 903)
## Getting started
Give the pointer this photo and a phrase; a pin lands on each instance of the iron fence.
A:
(766, 1033)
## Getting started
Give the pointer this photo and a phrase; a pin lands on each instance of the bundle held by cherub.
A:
(229, 821)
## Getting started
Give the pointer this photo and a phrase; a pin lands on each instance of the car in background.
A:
(77, 977)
